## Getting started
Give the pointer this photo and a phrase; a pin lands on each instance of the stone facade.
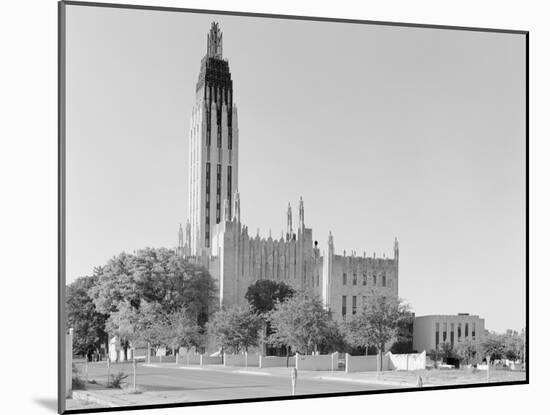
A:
(216, 237)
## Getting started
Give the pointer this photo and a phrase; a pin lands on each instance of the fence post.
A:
(134, 365)
(488, 365)
(108, 369)
(347, 363)
(293, 379)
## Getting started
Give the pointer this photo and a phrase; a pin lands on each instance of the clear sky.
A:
(384, 131)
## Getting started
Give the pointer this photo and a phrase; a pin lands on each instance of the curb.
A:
(249, 372)
(371, 382)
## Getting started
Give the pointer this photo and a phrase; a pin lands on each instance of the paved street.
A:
(176, 384)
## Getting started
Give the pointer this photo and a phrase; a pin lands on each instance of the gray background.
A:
(384, 131)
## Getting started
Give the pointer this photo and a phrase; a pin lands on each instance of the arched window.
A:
(374, 280)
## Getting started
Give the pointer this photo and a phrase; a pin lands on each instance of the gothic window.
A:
(344, 305)
(354, 304)
(374, 280)
(384, 280)
(364, 279)
(354, 279)
(344, 279)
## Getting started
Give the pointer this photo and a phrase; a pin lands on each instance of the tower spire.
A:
(396, 249)
(214, 42)
(289, 231)
(237, 207)
(301, 223)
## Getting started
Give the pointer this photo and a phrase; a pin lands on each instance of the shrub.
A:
(117, 380)
(77, 382)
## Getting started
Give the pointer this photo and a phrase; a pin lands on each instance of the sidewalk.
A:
(99, 397)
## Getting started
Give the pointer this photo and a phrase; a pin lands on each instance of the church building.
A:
(216, 237)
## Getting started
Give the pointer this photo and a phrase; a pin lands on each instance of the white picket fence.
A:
(390, 361)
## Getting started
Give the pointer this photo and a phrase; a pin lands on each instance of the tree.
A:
(88, 324)
(264, 295)
(140, 326)
(236, 328)
(300, 322)
(494, 346)
(514, 345)
(377, 323)
(182, 330)
(509, 345)
(404, 336)
(442, 351)
(155, 276)
(467, 351)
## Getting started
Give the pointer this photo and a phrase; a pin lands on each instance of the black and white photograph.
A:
(260, 207)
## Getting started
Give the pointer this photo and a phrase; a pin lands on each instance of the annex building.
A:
(216, 236)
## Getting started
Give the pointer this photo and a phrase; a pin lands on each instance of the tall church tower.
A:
(213, 145)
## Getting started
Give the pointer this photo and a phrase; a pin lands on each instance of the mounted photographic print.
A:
(263, 207)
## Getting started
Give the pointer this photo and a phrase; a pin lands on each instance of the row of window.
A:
(353, 304)
(365, 278)
(449, 335)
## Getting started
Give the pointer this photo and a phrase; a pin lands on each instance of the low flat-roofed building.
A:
(430, 331)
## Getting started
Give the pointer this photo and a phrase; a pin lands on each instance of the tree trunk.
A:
(287, 355)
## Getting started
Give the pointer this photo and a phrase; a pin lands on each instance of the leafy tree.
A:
(181, 330)
(468, 351)
(88, 324)
(264, 295)
(494, 345)
(236, 328)
(404, 336)
(377, 323)
(514, 345)
(509, 345)
(443, 351)
(139, 326)
(300, 322)
(155, 276)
